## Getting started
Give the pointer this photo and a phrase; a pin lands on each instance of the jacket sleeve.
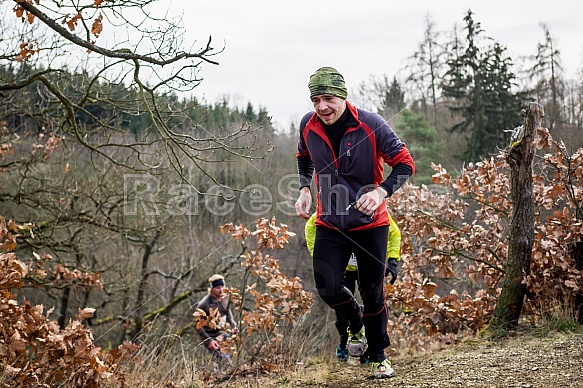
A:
(310, 233)
(305, 171)
(397, 178)
(394, 244)
(304, 160)
(203, 335)
(392, 149)
(395, 153)
(202, 332)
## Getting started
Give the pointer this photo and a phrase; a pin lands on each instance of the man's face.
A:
(329, 108)
(218, 292)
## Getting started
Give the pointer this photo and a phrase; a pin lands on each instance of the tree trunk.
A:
(520, 158)
(140, 298)
(66, 297)
(62, 320)
(576, 251)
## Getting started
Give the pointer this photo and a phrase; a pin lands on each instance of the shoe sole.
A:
(386, 375)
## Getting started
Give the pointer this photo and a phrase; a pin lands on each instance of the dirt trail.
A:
(553, 361)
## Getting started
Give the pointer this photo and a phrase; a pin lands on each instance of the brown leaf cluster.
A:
(45, 147)
(455, 237)
(21, 13)
(278, 302)
(271, 236)
(65, 276)
(72, 21)
(42, 149)
(6, 147)
(10, 232)
(34, 351)
(558, 194)
(97, 26)
(28, 49)
(211, 320)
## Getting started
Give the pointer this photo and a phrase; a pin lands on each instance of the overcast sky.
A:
(272, 47)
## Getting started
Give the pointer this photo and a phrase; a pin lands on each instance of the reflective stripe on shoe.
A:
(357, 344)
(382, 370)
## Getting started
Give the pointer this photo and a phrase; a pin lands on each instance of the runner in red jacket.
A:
(347, 148)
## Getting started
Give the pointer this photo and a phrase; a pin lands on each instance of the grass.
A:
(305, 355)
(175, 361)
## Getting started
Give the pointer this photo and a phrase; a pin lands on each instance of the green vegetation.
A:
(422, 141)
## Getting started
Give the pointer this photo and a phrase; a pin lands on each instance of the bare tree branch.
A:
(126, 54)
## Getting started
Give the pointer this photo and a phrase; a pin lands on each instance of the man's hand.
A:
(304, 203)
(391, 268)
(369, 202)
(214, 345)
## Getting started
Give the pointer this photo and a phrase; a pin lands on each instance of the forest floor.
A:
(550, 360)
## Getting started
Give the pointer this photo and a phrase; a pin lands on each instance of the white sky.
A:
(272, 47)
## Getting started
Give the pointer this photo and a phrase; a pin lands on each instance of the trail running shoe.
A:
(341, 354)
(382, 370)
(357, 343)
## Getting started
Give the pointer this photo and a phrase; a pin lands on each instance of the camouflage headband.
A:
(327, 80)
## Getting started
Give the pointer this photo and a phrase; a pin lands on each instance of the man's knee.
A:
(328, 285)
(327, 293)
(334, 298)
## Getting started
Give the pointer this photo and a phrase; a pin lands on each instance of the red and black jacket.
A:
(359, 168)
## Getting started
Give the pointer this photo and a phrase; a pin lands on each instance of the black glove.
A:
(391, 268)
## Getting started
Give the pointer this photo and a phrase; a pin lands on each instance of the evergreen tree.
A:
(502, 105)
(380, 95)
(478, 88)
(250, 115)
(128, 114)
(393, 101)
(263, 116)
(423, 143)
